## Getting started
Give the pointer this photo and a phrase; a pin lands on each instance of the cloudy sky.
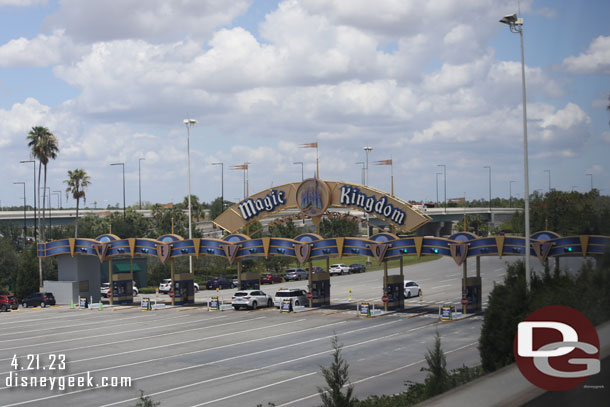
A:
(422, 82)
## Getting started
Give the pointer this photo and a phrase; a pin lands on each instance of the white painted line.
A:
(451, 279)
(440, 286)
(102, 335)
(224, 360)
(378, 375)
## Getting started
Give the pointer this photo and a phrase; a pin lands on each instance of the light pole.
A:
(516, 26)
(437, 174)
(189, 123)
(59, 199)
(362, 163)
(222, 185)
(549, 171)
(140, 181)
(367, 150)
(590, 175)
(25, 229)
(445, 183)
(302, 173)
(122, 165)
(489, 168)
(510, 194)
(35, 209)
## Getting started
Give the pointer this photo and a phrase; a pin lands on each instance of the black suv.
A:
(219, 282)
(38, 299)
(357, 268)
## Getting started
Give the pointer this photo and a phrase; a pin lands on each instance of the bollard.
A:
(100, 305)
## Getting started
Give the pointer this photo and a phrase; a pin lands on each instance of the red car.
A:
(271, 278)
(8, 302)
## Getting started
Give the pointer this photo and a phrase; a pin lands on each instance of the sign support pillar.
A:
(385, 283)
(464, 283)
(110, 281)
(173, 289)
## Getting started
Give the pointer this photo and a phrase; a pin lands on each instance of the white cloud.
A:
(155, 20)
(22, 3)
(606, 136)
(596, 60)
(43, 50)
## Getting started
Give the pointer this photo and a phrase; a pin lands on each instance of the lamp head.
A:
(509, 19)
(190, 122)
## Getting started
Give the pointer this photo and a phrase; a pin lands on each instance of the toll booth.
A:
(122, 289)
(471, 290)
(250, 281)
(320, 289)
(395, 290)
(184, 290)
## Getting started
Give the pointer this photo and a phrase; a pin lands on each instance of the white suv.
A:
(298, 296)
(338, 269)
(251, 299)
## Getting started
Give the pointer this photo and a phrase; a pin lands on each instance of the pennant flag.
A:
(240, 167)
(384, 162)
(309, 145)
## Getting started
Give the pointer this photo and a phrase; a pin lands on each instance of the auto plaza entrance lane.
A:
(313, 198)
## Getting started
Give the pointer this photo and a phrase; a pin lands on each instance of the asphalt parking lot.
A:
(193, 357)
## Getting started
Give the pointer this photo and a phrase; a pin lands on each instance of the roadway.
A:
(192, 357)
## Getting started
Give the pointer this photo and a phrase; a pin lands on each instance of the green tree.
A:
(27, 278)
(508, 305)
(197, 208)
(437, 380)
(146, 401)
(163, 218)
(77, 182)
(337, 377)
(9, 265)
(133, 224)
(44, 147)
(338, 227)
(216, 208)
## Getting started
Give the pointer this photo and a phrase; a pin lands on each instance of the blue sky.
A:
(424, 83)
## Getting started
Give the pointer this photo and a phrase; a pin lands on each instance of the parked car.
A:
(8, 302)
(270, 278)
(105, 289)
(166, 286)
(38, 300)
(235, 281)
(296, 274)
(317, 269)
(251, 299)
(357, 268)
(298, 296)
(219, 282)
(412, 289)
(338, 269)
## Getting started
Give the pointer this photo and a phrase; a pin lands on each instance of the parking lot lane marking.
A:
(440, 286)
(46, 319)
(238, 357)
(255, 389)
(71, 326)
(377, 375)
(139, 350)
(450, 279)
(101, 335)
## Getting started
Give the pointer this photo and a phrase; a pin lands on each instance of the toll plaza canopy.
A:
(306, 247)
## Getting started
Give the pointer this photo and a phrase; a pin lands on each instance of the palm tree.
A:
(44, 147)
(77, 181)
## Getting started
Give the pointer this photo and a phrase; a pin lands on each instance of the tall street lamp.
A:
(367, 150)
(445, 182)
(35, 209)
(510, 194)
(59, 199)
(25, 229)
(122, 165)
(549, 171)
(302, 173)
(489, 168)
(516, 26)
(437, 174)
(362, 163)
(222, 185)
(140, 181)
(590, 175)
(189, 123)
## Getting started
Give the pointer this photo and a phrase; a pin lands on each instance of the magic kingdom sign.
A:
(313, 197)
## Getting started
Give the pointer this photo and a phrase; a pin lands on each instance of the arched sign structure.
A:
(313, 197)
